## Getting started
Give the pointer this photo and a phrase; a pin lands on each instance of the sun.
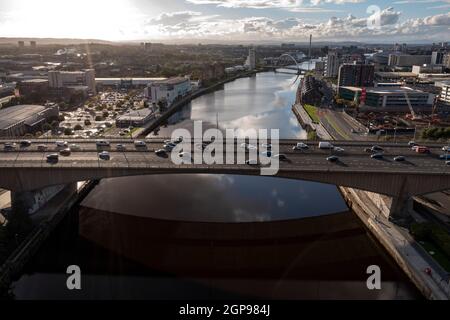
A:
(93, 19)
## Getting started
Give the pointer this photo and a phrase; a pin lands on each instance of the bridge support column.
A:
(401, 207)
(29, 202)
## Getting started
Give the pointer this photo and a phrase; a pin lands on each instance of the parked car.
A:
(446, 148)
(444, 157)
(169, 146)
(61, 144)
(104, 155)
(251, 162)
(42, 147)
(399, 158)
(339, 149)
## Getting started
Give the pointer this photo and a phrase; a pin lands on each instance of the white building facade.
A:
(66, 79)
(168, 90)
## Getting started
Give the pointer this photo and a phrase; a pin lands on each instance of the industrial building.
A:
(22, 119)
(356, 75)
(168, 90)
(387, 99)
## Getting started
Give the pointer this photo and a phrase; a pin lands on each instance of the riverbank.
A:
(176, 106)
(373, 211)
(49, 216)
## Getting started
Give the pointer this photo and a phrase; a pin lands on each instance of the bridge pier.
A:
(400, 207)
(29, 202)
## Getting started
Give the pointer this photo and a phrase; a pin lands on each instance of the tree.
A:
(78, 127)
(68, 132)
(87, 122)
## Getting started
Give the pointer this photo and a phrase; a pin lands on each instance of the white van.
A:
(325, 145)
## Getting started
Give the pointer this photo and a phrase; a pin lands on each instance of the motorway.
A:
(353, 158)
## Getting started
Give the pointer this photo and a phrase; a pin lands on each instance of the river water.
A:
(216, 236)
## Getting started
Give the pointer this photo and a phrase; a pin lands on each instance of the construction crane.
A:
(433, 111)
(414, 116)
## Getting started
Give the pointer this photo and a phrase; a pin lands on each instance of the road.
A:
(353, 157)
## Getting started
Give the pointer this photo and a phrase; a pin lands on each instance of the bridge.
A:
(26, 172)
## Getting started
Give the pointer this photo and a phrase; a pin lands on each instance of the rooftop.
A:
(13, 115)
(386, 90)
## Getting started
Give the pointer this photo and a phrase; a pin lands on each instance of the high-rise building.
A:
(446, 60)
(67, 79)
(332, 64)
(251, 59)
(356, 75)
(437, 57)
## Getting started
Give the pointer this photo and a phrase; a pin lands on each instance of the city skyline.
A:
(229, 20)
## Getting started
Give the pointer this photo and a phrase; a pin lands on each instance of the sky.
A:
(228, 20)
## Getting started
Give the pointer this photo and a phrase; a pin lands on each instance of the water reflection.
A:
(263, 101)
(214, 198)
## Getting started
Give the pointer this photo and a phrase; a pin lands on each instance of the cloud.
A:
(193, 25)
(291, 5)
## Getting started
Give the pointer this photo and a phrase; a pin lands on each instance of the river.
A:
(216, 236)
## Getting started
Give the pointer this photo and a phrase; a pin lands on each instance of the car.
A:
(447, 163)
(446, 148)
(169, 146)
(251, 162)
(377, 148)
(75, 147)
(178, 140)
(268, 146)
(325, 145)
(267, 154)
(61, 144)
(160, 152)
(339, 149)
(444, 157)
(377, 156)
(102, 143)
(412, 144)
(421, 149)
(140, 144)
(9, 146)
(104, 155)
(65, 152)
(42, 147)
(300, 146)
(52, 157)
(332, 159)
(399, 158)
(184, 155)
(281, 157)
(25, 143)
(120, 147)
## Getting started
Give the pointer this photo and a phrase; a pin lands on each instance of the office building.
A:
(136, 118)
(444, 96)
(388, 99)
(332, 64)
(33, 88)
(437, 57)
(59, 80)
(356, 75)
(407, 60)
(250, 63)
(22, 119)
(168, 90)
(427, 68)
